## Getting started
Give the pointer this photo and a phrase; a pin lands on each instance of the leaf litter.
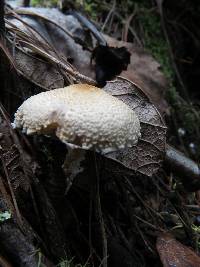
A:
(144, 159)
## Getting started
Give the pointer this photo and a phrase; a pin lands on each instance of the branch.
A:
(187, 169)
(74, 73)
(88, 24)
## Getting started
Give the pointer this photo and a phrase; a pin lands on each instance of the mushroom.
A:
(82, 116)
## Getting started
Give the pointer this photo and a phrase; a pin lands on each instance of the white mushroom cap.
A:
(82, 115)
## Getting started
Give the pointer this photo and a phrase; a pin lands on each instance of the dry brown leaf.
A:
(11, 160)
(38, 71)
(174, 254)
(147, 156)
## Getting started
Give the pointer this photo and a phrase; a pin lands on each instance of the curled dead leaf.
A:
(11, 160)
(147, 156)
(173, 253)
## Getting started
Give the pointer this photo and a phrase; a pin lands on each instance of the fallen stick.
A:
(185, 168)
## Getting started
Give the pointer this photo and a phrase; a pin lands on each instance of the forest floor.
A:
(111, 216)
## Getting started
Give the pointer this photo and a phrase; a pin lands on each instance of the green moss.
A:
(173, 96)
(44, 3)
(154, 40)
(190, 121)
(187, 116)
(91, 8)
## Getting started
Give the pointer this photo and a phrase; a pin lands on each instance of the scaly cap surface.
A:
(82, 115)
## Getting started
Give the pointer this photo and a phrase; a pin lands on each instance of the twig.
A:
(186, 168)
(130, 29)
(74, 73)
(152, 213)
(108, 16)
(30, 13)
(33, 31)
(8, 179)
(155, 227)
(100, 216)
(90, 221)
(12, 195)
(146, 242)
(83, 20)
(126, 27)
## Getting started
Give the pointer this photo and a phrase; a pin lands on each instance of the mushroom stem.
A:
(72, 164)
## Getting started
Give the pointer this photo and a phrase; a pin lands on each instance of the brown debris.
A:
(146, 157)
(173, 253)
